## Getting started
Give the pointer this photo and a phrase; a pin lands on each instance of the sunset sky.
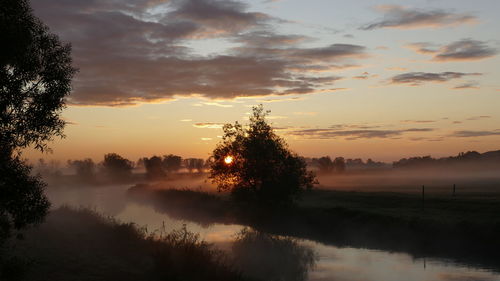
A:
(359, 79)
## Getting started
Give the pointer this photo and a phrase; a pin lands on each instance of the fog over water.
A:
(332, 263)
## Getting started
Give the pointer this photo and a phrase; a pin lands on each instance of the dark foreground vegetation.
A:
(82, 245)
(463, 228)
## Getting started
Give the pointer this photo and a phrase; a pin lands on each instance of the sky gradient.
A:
(359, 79)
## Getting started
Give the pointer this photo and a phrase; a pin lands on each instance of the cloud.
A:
(468, 85)
(275, 117)
(208, 125)
(365, 75)
(418, 121)
(333, 52)
(396, 68)
(336, 132)
(216, 17)
(270, 100)
(465, 49)
(417, 78)
(474, 118)
(218, 104)
(462, 50)
(206, 139)
(423, 47)
(470, 134)
(130, 52)
(303, 113)
(395, 16)
(267, 38)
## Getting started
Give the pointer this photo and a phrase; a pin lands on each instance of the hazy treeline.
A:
(325, 164)
(469, 160)
(115, 168)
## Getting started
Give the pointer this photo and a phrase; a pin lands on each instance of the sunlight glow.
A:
(228, 160)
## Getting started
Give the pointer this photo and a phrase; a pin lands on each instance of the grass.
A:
(83, 245)
(438, 208)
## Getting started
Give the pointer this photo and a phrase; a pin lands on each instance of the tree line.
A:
(469, 158)
(114, 167)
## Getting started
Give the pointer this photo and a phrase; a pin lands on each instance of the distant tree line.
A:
(119, 169)
(339, 165)
(462, 159)
(326, 165)
(116, 168)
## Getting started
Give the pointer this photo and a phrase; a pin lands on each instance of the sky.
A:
(359, 79)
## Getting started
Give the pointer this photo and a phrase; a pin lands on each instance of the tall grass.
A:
(84, 245)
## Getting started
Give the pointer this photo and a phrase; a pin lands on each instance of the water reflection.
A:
(275, 257)
(270, 257)
(350, 264)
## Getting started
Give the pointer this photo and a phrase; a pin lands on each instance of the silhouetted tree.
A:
(325, 164)
(35, 78)
(256, 164)
(172, 163)
(339, 164)
(192, 164)
(154, 167)
(22, 201)
(116, 167)
(84, 169)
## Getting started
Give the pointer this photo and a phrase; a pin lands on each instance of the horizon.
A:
(358, 80)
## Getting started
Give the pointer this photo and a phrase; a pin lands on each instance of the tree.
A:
(85, 169)
(22, 201)
(325, 164)
(339, 164)
(116, 167)
(35, 78)
(154, 167)
(194, 164)
(256, 165)
(172, 163)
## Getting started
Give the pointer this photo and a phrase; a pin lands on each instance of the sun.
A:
(228, 160)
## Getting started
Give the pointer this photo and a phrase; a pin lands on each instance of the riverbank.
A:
(83, 245)
(461, 228)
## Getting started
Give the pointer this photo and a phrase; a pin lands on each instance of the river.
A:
(332, 263)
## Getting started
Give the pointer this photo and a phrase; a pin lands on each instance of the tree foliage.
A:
(194, 164)
(154, 167)
(22, 201)
(35, 78)
(84, 169)
(116, 167)
(172, 163)
(262, 169)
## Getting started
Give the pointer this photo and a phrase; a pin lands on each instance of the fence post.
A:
(423, 197)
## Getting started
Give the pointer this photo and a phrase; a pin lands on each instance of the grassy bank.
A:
(464, 229)
(82, 245)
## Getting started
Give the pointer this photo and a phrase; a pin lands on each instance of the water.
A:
(333, 263)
